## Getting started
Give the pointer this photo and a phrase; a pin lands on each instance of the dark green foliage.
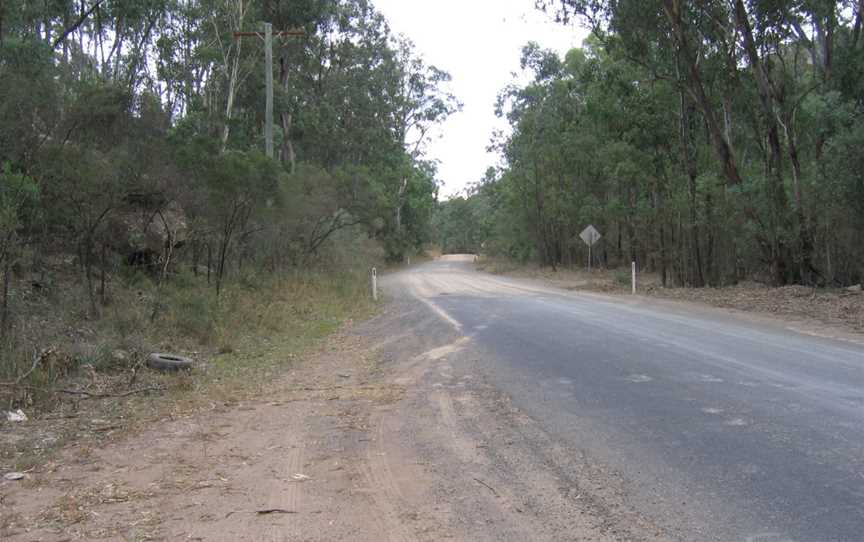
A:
(134, 129)
(709, 141)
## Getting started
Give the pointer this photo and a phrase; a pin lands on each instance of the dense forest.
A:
(132, 139)
(707, 141)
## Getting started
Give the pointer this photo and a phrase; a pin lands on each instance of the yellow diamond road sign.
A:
(590, 235)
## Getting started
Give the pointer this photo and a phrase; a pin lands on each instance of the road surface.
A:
(691, 423)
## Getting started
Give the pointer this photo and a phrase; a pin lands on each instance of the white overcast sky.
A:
(479, 43)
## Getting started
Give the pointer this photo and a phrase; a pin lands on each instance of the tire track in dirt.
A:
(465, 448)
(285, 494)
(385, 491)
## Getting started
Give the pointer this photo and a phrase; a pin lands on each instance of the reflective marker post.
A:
(633, 275)
(374, 284)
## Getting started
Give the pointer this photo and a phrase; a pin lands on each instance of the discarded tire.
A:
(168, 362)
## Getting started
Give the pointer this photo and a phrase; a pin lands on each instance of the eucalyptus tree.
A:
(111, 104)
(755, 78)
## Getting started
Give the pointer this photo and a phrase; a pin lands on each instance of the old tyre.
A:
(168, 362)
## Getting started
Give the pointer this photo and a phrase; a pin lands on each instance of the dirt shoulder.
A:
(233, 471)
(836, 313)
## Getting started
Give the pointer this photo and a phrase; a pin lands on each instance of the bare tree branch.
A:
(62, 37)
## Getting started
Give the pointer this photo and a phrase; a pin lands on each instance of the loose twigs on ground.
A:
(90, 395)
(86, 394)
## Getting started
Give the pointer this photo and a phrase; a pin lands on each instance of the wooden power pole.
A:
(268, 78)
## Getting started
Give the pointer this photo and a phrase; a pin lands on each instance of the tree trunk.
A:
(631, 229)
(711, 268)
(288, 156)
(856, 29)
(805, 238)
(672, 8)
(224, 243)
(661, 235)
(4, 315)
(828, 267)
(102, 297)
(220, 265)
(776, 190)
(398, 216)
(232, 90)
(825, 42)
(88, 272)
(195, 256)
(696, 276)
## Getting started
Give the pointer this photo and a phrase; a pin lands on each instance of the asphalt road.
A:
(721, 427)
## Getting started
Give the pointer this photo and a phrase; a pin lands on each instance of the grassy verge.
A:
(271, 327)
(258, 328)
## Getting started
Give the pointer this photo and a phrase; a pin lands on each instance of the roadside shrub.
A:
(190, 312)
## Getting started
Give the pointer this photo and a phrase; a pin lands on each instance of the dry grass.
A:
(597, 280)
(834, 307)
(257, 328)
(432, 252)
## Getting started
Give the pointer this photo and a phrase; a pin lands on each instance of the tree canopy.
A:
(140, 126)
(710, 141)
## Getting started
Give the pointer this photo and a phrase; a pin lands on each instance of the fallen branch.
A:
(91, 395)
(37, 359)
(490, 488)
(275, 511)
(106, 428)
(84, 393)
(349, 388)
(61, 417)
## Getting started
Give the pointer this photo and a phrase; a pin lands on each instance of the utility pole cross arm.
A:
(281, 34)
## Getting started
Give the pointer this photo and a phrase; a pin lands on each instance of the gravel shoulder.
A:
(835, 313)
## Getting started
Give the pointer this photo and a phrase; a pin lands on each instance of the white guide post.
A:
(633, 276)
(374, 284)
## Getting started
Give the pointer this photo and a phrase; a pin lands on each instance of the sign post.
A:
(590, 236)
